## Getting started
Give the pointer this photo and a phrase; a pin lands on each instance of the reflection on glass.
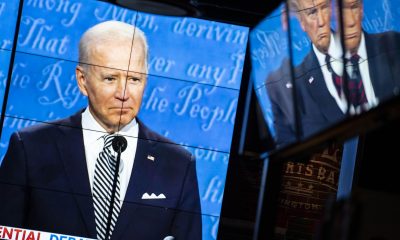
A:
(304, 192)
(314, 81)
(271, 74)
(307, 185)
(371, 58)
(326, 93)
(333, 81)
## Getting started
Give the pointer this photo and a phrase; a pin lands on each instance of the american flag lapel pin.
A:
(151, 158)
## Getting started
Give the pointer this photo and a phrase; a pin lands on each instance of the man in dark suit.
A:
(54, 176)
(280, 92)
(378, 55)
(314, 18)
(322, 103)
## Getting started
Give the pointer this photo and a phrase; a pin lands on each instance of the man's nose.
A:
(120, 91)
(349, 19)
(320, 18)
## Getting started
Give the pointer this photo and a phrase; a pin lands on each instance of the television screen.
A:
(271, 75)
(307, 79)
(333, 79)
(193, 75)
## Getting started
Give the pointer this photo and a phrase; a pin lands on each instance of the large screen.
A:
(336, 73)
(193, 82)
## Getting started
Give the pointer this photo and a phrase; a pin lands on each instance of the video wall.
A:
(334, 79)
(191, 96)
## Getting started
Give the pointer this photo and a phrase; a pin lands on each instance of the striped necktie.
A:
(356, 88)
(102, 190)
(337, 80)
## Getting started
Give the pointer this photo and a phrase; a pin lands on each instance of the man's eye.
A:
(109, 79)
(312, 12)
(134, 80)
(354, 6)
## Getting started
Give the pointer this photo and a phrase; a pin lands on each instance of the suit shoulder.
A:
(309, 64)
(45, 128)
(386, 35)
(385, 45)
(278, 75)
(389, 39)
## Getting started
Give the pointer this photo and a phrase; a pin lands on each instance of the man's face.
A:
(352, 17)
(315, 18)
(115, 91)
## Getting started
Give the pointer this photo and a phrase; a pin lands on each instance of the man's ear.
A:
(81, 79)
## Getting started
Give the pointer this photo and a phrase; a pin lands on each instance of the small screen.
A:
(333, 79)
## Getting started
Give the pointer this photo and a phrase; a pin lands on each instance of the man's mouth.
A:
(122, 109)
(351, 35)
(323, 35)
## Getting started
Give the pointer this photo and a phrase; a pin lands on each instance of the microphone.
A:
(119, 144)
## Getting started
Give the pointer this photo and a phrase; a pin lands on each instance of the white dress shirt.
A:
(334, 51)
(366, 79)
(93, 142)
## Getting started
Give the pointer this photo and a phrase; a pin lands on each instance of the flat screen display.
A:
(193, 81)
(333, 79)
(312, 70)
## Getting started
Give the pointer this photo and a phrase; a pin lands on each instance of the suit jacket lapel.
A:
(141, 176)
(72, 153)
(319, 92)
